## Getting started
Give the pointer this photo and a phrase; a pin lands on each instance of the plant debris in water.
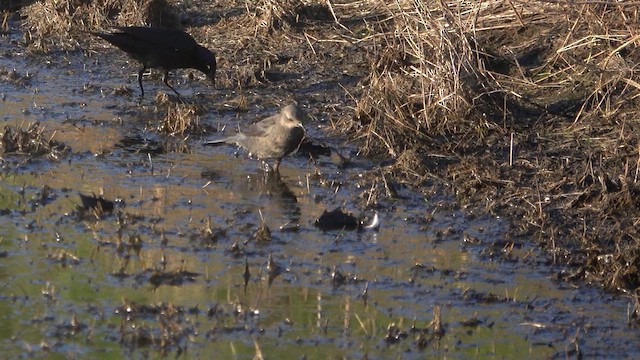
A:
(14, 77)
(31, 141)
(169, 331)
(182, 119)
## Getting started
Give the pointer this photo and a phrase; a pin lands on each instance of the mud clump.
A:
(95, 205)
(263, 234)
(337, 220)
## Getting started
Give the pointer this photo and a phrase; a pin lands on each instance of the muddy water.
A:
(74, 285)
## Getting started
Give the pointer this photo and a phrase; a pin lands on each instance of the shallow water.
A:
(77, 285)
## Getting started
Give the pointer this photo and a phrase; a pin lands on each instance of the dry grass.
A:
(425, 81)
(272, 15)
(538, 101)
(181, 118)
(435, 69)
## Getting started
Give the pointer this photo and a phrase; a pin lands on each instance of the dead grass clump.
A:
(411, 165)
(245, 75)
(423, 79)
(60, 24)
(274, 14)
(538, 103)
(277, 14)
(181, 119)
(573, 62)
(31, 141)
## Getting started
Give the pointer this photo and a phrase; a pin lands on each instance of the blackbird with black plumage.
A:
(164, 49)
(272, 138)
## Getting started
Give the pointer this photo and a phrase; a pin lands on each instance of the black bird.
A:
(272, 138)
(165, 49)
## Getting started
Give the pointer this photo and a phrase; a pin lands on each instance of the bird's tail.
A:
(215, 142)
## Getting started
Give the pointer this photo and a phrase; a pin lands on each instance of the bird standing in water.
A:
(164, 49)
(272, 138)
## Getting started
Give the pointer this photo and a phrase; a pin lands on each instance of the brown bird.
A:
(164, 49)
(272, 138)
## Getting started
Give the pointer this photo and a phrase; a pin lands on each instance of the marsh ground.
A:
(478, 212)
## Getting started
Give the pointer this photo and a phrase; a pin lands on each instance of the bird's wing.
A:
(160, 38)
(126, 42)
(260, 128)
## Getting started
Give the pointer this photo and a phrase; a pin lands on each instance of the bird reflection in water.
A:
(269, 185)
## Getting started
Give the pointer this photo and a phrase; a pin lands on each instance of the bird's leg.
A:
(276, 166)
(165, 80)
(140, 72)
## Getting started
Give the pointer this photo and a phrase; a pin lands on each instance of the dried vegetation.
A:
(273, 15)
(181, 118)
(533, 104)
(32, 142)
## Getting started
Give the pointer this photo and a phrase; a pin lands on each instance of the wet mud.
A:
(123, 236)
